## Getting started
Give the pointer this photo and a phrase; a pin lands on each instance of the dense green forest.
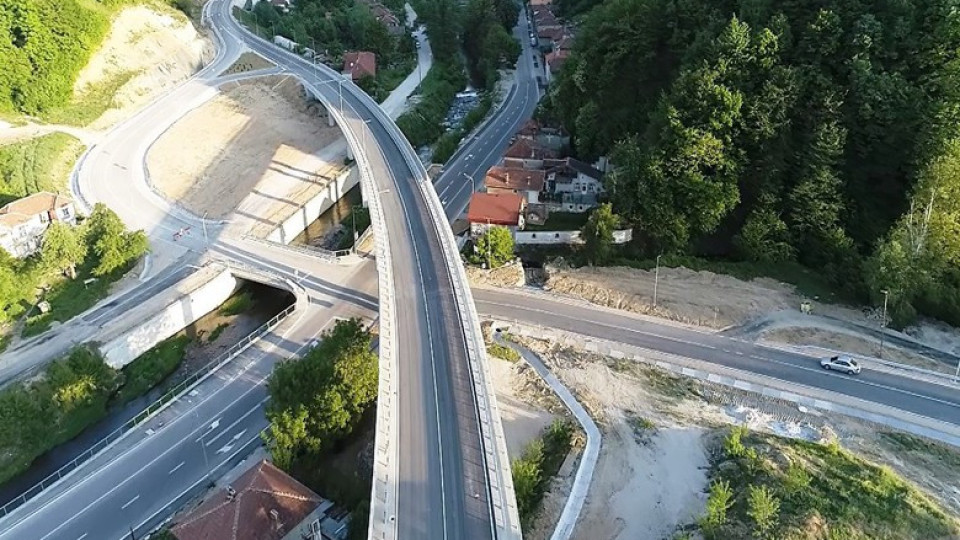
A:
(824, 132)
(336, 26)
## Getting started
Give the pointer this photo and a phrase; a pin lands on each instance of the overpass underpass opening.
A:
(246, 310)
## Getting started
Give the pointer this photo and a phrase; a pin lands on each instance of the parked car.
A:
(844, 364)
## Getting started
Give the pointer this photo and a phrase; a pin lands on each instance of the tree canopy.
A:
(493, 248)
(316, 400)
(776, 131)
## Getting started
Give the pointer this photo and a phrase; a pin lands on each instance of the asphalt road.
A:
(463, 173)
(171, 458)
(918, 397)
(443, 482)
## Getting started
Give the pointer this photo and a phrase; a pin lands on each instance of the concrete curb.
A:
(581, 482)
(806, 396)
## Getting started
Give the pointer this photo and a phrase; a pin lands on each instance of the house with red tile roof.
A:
(23, 221)
(555, 60)
(524, 182)
(490, 209)
(264, 503)
(358, 64)
(529, 130)
(529, 154)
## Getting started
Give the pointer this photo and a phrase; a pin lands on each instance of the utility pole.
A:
(656, 280)
(489, 266)
(883, 322)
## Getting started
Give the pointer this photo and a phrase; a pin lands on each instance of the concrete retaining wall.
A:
(182, 312)
(320, 203)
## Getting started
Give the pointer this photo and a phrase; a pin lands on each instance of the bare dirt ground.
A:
(159, 44)
(254, 134)
(248, 61)
(699, 298)
(658, 430)
(509, 275)
(522, 418)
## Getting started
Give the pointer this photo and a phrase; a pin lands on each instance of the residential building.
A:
(548, 36)
(358, 64)
(565, 43)
(387, 18)
(490, 209)
(264, 503)
(282, 5)
(23, 221)
(554, 61)
(529, 130)
(571, 175)
(528, 154)
(576, 184)
(547, 137)
(525, 182)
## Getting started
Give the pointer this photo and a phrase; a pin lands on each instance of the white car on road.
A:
(841, 363)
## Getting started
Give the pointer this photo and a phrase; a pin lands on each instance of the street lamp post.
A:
(656, 280)
(883, 320)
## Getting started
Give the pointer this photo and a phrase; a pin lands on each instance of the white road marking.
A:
(225, 448)
(238, 435)
(131, 501)
(177, 468)
(82, 536)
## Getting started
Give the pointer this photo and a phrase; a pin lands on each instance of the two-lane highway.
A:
(443, 486)
(464, 171)
(935, 401)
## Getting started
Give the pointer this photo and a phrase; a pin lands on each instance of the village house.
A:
(577, 184)
(527, 154)
(23, 221)
(359, 64)
(491, 209)
(264, 503)
(524, 182)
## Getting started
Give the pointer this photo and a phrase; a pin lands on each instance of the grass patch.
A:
(40, 164)
(670, 385)
(503, 352)
(795, 490)
(240, 302)
(389, 78)
(71, 297)
(540, 462)
(215, 333)
(561, 221)
(91, 102)
(5, 342)
(152, 367)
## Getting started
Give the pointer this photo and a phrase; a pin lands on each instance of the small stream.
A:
(267, 302)
(325, 231)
